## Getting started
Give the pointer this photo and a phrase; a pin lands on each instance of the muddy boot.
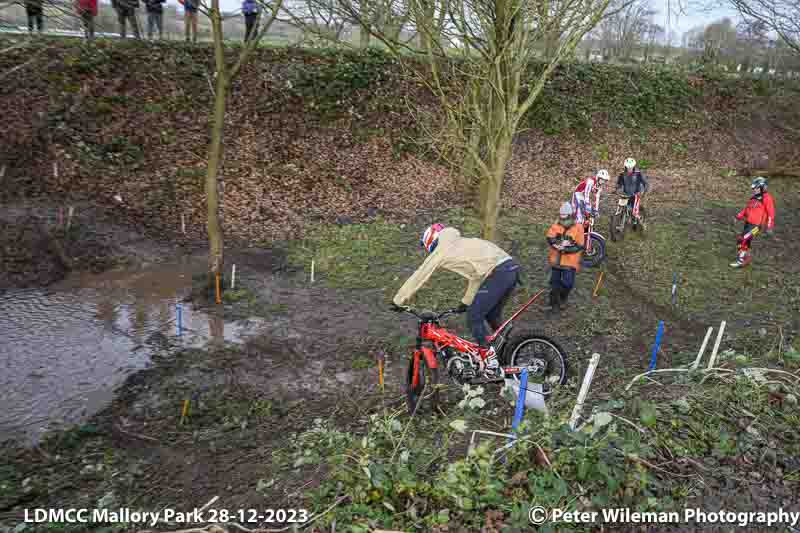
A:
(563, 297)
(554, 309)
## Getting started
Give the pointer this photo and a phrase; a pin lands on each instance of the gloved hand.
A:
(396, 308)
(462, 307)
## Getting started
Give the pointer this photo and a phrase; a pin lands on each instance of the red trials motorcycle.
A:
(595, 251)
(465, 361)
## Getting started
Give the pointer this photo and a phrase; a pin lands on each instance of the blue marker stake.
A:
(520, 410)
(178, 309)
(657, 344)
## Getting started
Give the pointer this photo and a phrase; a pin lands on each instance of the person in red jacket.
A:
(87, 9)
(759, 212)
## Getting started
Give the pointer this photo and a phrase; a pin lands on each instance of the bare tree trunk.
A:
(215, 152)
(364, 30)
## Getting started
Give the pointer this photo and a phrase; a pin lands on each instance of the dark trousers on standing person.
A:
(125, 15)
(250, 29)
(562, 279)
(490, 299)
(35, 17)
(155, 22)
(88, 24)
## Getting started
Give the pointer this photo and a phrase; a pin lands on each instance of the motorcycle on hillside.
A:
(595, 243)
(625, 214)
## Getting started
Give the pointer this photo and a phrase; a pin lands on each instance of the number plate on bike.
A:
(623, 201)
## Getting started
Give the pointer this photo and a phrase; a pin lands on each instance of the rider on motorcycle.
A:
(760, 211)
(585, 195)
(491, 274)
(633, 183)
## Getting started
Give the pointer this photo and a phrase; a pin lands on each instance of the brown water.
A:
(64, 349)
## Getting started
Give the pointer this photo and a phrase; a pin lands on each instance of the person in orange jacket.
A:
(759, 212)
(566, 241)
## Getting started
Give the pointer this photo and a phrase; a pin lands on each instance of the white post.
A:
(702, 349)
(233, 276)
(716, 346)
(2, 171)
(183, 224)
(587, 380)
(312, 271)
(69, 216)
(55, 169)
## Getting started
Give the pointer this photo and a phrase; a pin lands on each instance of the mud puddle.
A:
(65, 349)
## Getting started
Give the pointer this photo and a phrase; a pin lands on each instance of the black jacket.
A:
(154, 6)
(633, 183)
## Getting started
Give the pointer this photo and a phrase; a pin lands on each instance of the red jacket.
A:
(759, 211)
(88, 6)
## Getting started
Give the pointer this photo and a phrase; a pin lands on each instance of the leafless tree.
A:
(625, 29)
(780, 16)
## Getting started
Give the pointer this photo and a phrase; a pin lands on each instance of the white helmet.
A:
(630, 163)
(602, 175)
(566, 211)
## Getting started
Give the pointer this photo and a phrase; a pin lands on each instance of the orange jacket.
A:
(559, 233)
(759, 212)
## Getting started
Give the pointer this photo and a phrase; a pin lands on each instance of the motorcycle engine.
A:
(460, 367)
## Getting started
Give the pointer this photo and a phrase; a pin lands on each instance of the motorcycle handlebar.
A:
(419, 314)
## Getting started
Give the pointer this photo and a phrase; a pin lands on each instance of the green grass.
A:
(382, 255)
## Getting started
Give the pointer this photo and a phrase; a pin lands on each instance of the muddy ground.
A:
(316, 357)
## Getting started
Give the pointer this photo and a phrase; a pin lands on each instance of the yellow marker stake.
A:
(597, 286)
(185, 410)
(380, 373)
(219, 299)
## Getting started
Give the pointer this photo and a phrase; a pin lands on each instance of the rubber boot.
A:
(564, 295)
(555, 302)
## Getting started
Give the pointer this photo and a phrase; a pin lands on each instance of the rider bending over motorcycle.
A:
(584, 198)
(632, 182)
(566, 245)
(760, 211)
(491, 274)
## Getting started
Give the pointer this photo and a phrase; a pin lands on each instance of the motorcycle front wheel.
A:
(597, 253)
(426, 384)
(617, 226)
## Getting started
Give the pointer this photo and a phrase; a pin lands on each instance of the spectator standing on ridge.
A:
(190, 18)
(126, 10)
(87, 10)
(250, 11)
(33, 8)
(155, 17)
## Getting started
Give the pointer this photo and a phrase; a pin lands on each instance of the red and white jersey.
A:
(586, 187)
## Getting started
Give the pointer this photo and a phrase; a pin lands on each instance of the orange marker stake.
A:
(380, 372)
(599, 281)
(219, 298)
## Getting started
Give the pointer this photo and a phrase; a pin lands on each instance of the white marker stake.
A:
(183, 224)
(69, 216)
(55, 169)
(233, 277)
(312, 271)
(2, 171)
(587, 380)
(702, 349)
(716, 346)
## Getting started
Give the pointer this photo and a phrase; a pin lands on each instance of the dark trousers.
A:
(155, 21)
(250, 30)
(37, 19)
(561, 282)
(490, 299)
(124, 15)
(88, 24)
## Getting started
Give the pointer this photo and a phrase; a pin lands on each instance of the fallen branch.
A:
(135, 435)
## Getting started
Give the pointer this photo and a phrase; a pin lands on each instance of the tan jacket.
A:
(473, 259)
